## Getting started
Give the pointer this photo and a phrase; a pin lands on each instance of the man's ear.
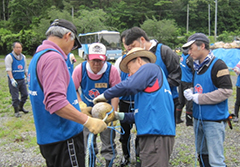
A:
(139, 60)
(67, 36)
(142, 39)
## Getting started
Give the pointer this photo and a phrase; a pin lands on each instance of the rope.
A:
(90, 146)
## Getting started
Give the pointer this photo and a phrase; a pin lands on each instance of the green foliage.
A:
(91, 21)
(164, 31)
(229, 36)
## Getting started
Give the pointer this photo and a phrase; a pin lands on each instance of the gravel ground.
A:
(16, 154)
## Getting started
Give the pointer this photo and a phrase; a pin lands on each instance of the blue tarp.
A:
(230, 56)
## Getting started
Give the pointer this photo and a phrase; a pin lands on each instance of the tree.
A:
(164, 31)
(91, 21)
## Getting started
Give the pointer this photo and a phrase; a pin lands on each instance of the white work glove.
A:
(190, 96)
(14, 82)
(195, 98)
(99, 98)
(119, 115)
(188, 93)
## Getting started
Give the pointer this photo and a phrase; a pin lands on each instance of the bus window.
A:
(111, 39)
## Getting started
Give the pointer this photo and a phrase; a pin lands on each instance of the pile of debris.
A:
(234, 44)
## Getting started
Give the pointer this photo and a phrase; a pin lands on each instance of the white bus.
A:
(111, 39)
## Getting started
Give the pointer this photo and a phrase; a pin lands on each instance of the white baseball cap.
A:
(97, 51)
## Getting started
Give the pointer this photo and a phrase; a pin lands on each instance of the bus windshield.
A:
(111, 41)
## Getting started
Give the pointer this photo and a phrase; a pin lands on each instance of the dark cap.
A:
(196, 37)
(70, 26)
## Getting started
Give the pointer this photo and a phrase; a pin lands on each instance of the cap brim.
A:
(77, 44)
(97, 56)
(188, 44)
(141, 53)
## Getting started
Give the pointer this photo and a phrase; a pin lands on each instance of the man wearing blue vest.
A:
(154, 108)
(58, 119)
(186, 64)
(94, 76)
(211, 88)
(166, 58)
(16, 67)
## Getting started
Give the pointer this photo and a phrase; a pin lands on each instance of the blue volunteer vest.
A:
(161, 64)
(69, 64)
(92, 88)
(50, 128)
(154, 111)
(187, 75)
(130, 98)
(203, 84)
(18, 67)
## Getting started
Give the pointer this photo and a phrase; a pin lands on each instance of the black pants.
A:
(66, 153)
(237, 102)
(182, 100)
(125, 138)
(14, 91)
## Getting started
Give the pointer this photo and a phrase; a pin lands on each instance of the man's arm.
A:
(171, 61)
(71, 113)
(10, 74)
(114, 79)
(8, 63)
(25, 67)
(114, 102)
(77, 76)
(145, 76)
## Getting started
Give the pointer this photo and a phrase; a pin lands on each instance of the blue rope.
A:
(199, 121)
(90, 145)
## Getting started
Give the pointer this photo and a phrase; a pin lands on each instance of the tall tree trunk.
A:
(4, 16)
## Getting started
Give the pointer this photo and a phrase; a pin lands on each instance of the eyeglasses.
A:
(97, 61)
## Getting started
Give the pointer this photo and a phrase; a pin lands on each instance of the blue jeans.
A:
(209, 138)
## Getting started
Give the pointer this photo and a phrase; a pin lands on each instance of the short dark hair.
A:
(199, 43)
(14, 43)
(134, 34)
(124, 34)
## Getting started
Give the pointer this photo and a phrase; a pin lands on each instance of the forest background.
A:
(165, 20)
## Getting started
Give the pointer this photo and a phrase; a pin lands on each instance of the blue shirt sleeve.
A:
(128, 118)
(145, 77)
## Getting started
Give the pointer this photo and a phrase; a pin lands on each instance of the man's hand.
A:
(188, 93)
(195, 98)
(87, 111)
(119, 115)
(95, 125)
(99, 98)
(190, 96)
(14, 82)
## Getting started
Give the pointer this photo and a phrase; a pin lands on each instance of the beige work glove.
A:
(95, 125)
(99, 98)
(82, 104)
(87, 111)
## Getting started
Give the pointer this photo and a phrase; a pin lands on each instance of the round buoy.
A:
(100, 110)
